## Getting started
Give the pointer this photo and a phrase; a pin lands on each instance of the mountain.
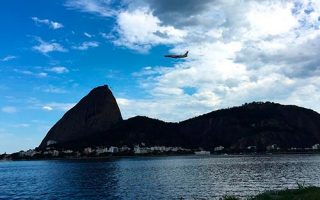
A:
(95, 113)
(96, 121)
(254, 124)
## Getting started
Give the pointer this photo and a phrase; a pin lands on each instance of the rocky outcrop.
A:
(95, 113)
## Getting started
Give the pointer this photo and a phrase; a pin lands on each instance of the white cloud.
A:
(48, 108)
(9, 109)
(54, 90)
(86, 45)
(259, 51)
(240, 51)
(140, 30)
(51, 24)
(58, 69)
(28, 72)
(270, 19)
(106, 36)
(22, 125)
(51, 89)
(8, 58)
(87, 35)
(57, 106)
(175, 109)
(47, 47)
(98, 7)
(42, 74)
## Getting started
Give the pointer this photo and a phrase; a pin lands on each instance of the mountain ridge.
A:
(256, 124)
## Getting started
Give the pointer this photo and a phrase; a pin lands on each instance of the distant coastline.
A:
(15, 157)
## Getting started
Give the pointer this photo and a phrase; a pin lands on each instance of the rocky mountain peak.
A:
(95, 113)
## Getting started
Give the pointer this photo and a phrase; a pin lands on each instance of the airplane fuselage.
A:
(177, 56)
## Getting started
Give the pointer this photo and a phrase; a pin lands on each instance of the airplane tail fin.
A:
(186, 54)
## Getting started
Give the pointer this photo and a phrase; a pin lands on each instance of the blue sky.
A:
(54, 52)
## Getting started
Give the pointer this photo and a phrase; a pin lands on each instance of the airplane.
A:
(177, 56)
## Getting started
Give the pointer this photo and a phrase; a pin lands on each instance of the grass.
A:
(301, 193)
(305, 193)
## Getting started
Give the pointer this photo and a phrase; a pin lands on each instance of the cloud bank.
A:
(240, 51)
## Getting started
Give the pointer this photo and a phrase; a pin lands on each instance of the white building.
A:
(124, 148)
(51, 142)
(219, 148)
(161, 148)
(316, 147)
(272, 147)
(175, 149)
(202, 153)
(87, 150)
(101, 150)
(140, 150)
(30, 153)
(167, 149)
(55, 153)
(113, 149)
(158, 148)
(67, 151)
(251, 147)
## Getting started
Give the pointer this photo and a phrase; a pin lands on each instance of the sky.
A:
(52, 53)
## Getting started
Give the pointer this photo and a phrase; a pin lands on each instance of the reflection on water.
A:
(156, 178)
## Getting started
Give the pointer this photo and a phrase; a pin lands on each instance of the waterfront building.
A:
(272, 147)
(101, 150)
(251, 147)
(87, 150)
(67, 151)
(140, 150)
(202, 153)
(51, 142)
(124, 148)
(55, 153)
(219, 148)
(113, 149)
(316, 147)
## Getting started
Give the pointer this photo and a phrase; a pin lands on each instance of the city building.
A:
(88, 150)
(316, 147)
(219, 148)
(113, 149)
(51, 142)
(101, 150)
(272, 147)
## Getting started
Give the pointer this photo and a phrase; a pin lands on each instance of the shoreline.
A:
(111, 157)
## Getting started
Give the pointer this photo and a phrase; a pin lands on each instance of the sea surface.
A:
(181, 177)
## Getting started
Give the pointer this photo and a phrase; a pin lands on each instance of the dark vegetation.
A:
(301, 193)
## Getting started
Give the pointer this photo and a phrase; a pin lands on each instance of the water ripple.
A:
(189, 177)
